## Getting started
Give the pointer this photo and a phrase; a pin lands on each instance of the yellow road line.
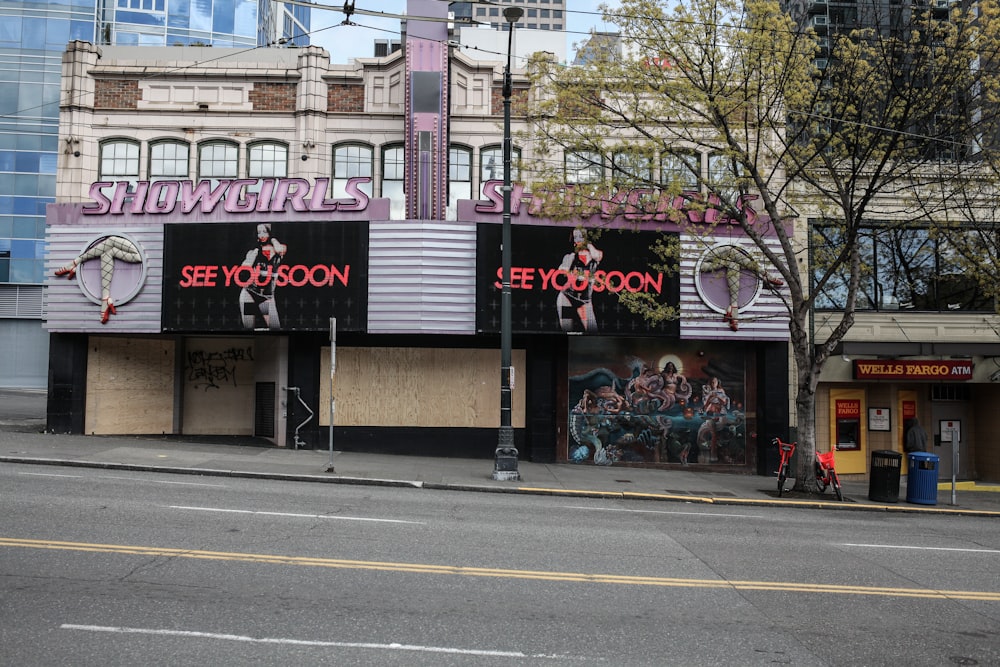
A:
(455, 570)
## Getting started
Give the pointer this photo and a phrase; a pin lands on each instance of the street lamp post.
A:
(505, 459)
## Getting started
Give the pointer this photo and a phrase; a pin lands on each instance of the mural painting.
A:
(641, 400)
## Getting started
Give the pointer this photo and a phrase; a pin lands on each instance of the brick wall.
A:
(346, 97)
(273, 97)
(518, 101)
(116, 93)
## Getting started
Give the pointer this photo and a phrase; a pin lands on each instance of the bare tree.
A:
(826, 133)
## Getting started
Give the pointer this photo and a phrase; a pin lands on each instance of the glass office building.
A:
(33, 36)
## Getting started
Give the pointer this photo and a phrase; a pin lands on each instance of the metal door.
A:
(952, 411)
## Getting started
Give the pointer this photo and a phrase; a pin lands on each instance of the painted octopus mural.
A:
(655, 414)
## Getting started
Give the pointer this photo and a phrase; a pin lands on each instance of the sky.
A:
(347, 42)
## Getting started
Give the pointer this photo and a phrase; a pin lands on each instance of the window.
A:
(723, 177)
(681, 170)
(351, 161)
(459, 178)
(903, 268)
(393, 172)
(267, 160)
(217, 160)
(584, 167)
(119, 161)
(168, 160)
(491, 165)
(630, 169)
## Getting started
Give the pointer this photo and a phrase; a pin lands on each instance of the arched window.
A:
(352, 160)
(681, 170)
(119, 160)
(584, 167)
(218, 160)
(491, 165)
(393, 173)
(267, 159)
(168, 160)
(724, 176)
(631, 169)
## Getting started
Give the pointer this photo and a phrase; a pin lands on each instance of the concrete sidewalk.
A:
(22, 441)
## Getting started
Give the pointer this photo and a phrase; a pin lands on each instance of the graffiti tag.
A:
(211, 370)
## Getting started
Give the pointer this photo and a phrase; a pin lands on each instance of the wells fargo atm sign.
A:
(897, 369)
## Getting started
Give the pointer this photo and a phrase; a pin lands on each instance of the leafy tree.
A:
(825, 146)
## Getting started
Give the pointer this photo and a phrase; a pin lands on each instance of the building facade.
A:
(925, 344)
(33, 36)
(538, 14)
(224, 220)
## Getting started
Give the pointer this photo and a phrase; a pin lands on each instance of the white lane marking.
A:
(309, 642)
(46, 474)
(615, 509)
(897, 546)
(161, 481)
(130, 479)
(289, 514)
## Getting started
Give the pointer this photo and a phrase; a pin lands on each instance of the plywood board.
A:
(130, 386)
(218, 386)
(420, 387)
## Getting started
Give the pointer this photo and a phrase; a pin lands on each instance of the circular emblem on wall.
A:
(728, 278)
(110, 271)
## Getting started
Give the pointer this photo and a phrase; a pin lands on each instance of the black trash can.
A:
(883, 484)
(922, 479)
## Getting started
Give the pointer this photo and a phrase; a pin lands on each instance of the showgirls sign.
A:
(251, 195)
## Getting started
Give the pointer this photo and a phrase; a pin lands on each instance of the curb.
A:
(526, 490)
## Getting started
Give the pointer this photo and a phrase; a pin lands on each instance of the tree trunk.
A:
(808, 364)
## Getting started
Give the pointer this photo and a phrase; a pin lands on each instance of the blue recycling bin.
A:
(922, 479)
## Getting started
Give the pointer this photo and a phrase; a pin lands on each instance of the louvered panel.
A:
(422, 277)
(767, 319)
(8, 300)
(21, 301)
(68, 309)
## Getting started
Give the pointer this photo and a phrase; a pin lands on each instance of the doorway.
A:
(951, 403)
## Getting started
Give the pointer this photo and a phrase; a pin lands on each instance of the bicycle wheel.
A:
(837, 489)
(782, 476)
(821, 483)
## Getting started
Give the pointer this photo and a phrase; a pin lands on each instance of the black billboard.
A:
(283, 276)
(568, 280)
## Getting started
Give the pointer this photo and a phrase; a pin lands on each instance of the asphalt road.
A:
(102, 567)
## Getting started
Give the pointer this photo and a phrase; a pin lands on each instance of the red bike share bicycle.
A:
(826, 474)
